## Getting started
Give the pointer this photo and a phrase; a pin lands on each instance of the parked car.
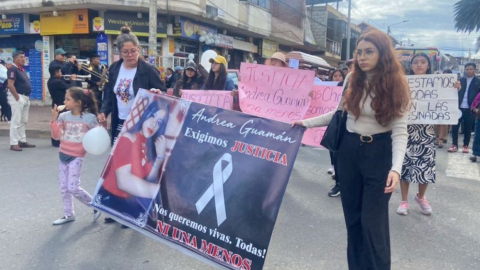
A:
(234, 74)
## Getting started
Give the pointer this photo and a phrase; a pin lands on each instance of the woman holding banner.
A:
(419, 162)
(125, 78)
(192, 79)
(370, 156)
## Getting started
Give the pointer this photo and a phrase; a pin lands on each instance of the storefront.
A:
(16, 35)
(266, 48)
(188, 33)
(112, 21)
(71, 32)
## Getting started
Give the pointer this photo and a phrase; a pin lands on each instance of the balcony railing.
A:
(334, 47)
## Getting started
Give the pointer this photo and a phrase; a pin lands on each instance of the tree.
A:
(467, 17)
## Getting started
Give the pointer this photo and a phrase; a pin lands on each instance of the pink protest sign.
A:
(274, 92)
(221, 99)
(325, 99)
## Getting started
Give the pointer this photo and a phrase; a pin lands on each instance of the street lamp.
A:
(388, 32)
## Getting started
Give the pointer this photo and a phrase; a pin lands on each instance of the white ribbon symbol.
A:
(216, 189)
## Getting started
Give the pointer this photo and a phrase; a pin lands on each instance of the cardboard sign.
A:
(220, 99)
(325, 99)
(276, 93)
(434, 99)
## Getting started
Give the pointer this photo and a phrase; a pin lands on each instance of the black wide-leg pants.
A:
(363, 170)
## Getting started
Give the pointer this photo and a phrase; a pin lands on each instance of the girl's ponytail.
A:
(90, 102)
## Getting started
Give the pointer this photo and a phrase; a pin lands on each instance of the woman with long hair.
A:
(218, 78)
(193, 78)
(370, 156)
(419, 163)
(125, 77)
(338, 76)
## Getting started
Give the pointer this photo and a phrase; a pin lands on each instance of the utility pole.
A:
(152, 30)
(348, 28)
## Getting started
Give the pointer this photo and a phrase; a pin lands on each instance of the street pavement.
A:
(309, 234)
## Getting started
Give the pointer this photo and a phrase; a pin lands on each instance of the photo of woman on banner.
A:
(132, 175)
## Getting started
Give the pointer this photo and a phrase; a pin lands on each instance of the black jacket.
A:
(67, 69)
(147, 77)
(196, 83)
(170, 83)
(472, 92)
(57, 88)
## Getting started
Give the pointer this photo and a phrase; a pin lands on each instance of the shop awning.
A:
(309, 61)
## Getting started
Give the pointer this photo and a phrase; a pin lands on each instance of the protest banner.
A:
(325, 99)
(201, 179)
(220, 99)
(434, 99)
(275, 92)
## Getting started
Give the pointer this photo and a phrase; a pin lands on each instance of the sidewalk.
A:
(38, 123)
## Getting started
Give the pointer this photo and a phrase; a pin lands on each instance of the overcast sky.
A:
(430, 22)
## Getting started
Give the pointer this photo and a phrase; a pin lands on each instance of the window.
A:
(261, 3)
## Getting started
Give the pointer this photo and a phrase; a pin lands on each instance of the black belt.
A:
(24, 94)
(370, 138)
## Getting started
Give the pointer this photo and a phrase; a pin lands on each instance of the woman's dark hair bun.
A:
(125, 30)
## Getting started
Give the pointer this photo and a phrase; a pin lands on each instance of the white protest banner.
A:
(434, 99)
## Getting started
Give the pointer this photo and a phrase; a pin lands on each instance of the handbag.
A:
(335, 131)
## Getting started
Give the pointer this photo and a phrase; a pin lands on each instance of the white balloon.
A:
(206, 58)
(208, 41)
(203, 33)
(96, 141)
(217, 41)
(210, 35)
(202, 39)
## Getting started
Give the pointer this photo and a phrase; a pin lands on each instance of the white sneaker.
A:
(96, 214)
(331, 170)
(403, 208)
(64, 220)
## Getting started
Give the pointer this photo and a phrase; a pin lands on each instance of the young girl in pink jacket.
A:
(70, 128)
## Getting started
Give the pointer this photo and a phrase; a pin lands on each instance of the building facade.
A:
(240, 30)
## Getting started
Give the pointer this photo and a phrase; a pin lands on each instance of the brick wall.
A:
(319, 15)
(284, 10)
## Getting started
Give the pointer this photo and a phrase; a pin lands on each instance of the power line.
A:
(354, 7)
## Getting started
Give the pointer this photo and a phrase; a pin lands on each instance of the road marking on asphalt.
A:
(460, 166)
